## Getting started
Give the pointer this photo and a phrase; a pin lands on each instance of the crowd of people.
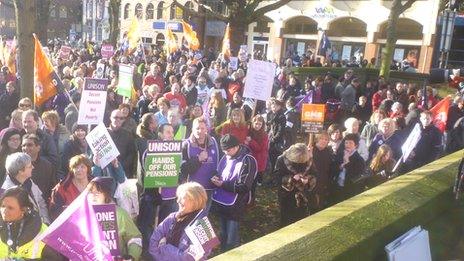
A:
(231, 145)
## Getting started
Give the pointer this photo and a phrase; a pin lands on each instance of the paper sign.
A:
(100, 72)
(411, 141)
(398, 55)
(233, 63)
(102, 145)
(93, 101)
(65, 51)
(107, 50)
(346, 52)
(125, 80)
(201, 234)
(162, 164)
(312, 117)
(106, 217)
(259, 80)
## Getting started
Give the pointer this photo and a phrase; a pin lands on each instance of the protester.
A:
(68, 190)
(233, 188)
(53, 127)
(381, 166)
(19, 168)
(258, 142)
(10, 143)
(235, 126)
(129, 237)
(294, 167)
(20, 224)
(322, 160)
(75, 145)
(169, 240)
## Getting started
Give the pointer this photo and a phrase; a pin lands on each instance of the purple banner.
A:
(76, 232)
(106, 216)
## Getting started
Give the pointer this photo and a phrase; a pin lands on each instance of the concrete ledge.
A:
(359, 228)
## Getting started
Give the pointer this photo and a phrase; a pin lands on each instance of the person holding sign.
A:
(169, 240)
(201, 156)
(129, 236)
(19, 226)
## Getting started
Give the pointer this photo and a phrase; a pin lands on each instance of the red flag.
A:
(440, 113)
(46, 81)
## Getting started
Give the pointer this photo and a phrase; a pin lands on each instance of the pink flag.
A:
(76, 232)
(440, 113)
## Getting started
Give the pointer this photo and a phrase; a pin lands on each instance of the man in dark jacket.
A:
(429, 146)
(236, 172)
(48, 148)
(277, 125)
(8, 102)
(125, 142)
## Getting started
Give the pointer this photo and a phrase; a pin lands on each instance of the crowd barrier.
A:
(359, 228)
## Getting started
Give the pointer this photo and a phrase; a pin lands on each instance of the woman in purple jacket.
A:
(169, 240)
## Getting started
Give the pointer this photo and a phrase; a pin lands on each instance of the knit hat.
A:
(297, 153)
(7, 135)
(229, 141)
(78, 126)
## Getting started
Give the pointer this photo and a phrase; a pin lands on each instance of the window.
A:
(63, 12)
(52, 11)
(139, 11)
(126, 11)
(189, 6)
(159, 10)
(172, 13)
(150, 11)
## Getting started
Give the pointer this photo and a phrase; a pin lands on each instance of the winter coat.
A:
(395, 141)
(191, 95)
(70, 149)
(277, 124)
(130, 238)
(368, 133)
(260, 151)
(72, 114)
(125, 142)
(44, 176)
(48, 147)
(428, 147)
(231, 198)
(240, 132)
(35, 195)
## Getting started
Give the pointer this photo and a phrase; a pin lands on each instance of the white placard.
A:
(398, 55)
(93, 101)
(100, 72)
(102, 145)
(300, 48)
(233, 63)
(259, 80)
(346, 52)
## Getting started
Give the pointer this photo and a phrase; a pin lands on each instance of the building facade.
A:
(95, 20)
(355, 28)
(64, 19)
(7, 21)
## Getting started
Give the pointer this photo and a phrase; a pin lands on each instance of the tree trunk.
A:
(43, 14)
(238, 27)
(114, 21)
(25, 24)
(387, 52)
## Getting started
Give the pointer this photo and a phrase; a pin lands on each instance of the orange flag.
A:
(226, 44)
(191, 36)
(171, 43)
(46, 81)
(440, 113)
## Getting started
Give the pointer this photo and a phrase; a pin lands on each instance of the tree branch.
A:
(263, 10)
(208, 12)
(406, 5)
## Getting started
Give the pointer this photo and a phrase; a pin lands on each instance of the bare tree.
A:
(387, 54)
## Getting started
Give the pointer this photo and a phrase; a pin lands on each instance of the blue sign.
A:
(159, 25)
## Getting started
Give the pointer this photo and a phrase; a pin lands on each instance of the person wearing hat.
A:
(237, 170)
(76, 144)
(297, 178)
(130, 239)
(10, 143)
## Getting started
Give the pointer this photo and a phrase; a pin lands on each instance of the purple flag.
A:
(106, 216)
(308, 98)
(76, 232)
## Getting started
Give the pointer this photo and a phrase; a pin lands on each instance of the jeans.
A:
(230, 236)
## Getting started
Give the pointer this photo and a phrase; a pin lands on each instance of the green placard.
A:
(162, 164)
(125, 80)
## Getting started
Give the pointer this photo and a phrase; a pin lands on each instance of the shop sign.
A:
(324, 12)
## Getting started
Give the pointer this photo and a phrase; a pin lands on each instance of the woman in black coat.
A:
(76, 145)
(294, 167)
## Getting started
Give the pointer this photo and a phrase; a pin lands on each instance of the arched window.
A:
(52, 10)
(159, 10)
(172, 12)
(139, 11)
(150, 11)
(63, 13)
(126, 11)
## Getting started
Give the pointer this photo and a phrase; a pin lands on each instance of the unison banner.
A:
(162, 164)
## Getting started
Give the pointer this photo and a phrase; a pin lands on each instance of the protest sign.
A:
(312, 117)
(125, 80)
(93, 101)
(202, 236)
(233, 63)
(259, 80)
(65, 51)
(100, 72)
(107, 50)
(106, 217)
(162, 164)
(76, 233)
(411, 142)
(102, 145)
